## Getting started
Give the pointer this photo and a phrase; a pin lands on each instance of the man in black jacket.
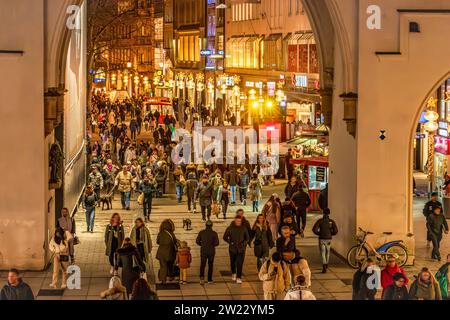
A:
(16, 289)
(237, 237)
(428, 209)
(302, 202)
(208, 240)
(325, 228)
(245, 222)
(436, 224)
(323, 198)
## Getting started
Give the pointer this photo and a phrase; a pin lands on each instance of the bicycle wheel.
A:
(355, 255)
(400, 252)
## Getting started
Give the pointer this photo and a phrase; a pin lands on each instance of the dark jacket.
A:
(282, 247)
(394, 292)
(325, 228)
(237, 238)
(148, 188)
(243, 179)
(301, 199)
(90, 200)
(437, 223)
(430, 206)
(231, 178)
(20, 292)
(262, 241)
(323, 199)
(204, 194)
(191, 187)
(167, 250)
(208, 240)
(293, 226)
(289, 190)
(287, 208)
(364, 293)
(132, 265)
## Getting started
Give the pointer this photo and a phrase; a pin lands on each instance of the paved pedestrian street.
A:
(90, 257)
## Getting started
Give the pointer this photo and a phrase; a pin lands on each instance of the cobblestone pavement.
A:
(95, 269)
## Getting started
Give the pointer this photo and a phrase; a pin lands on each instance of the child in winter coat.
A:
(184, 259)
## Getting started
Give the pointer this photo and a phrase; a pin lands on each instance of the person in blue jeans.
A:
(89, 203)
(179, 183)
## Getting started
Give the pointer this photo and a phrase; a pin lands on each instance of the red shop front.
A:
(315, 174)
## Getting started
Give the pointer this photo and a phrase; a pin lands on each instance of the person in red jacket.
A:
(387, 274)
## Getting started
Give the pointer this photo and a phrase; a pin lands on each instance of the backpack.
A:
(442, 279)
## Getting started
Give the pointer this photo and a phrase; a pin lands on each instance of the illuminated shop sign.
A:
(271, 87)
(250, 84)
(441, 145)
(301, 80)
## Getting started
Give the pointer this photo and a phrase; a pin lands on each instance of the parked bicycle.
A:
(361, 252)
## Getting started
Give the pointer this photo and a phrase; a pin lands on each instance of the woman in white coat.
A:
(60, 248)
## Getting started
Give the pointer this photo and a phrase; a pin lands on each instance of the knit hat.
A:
(398, 276)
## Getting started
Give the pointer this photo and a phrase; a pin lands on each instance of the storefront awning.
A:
(311, 161)
(273, 37)
(301, 38)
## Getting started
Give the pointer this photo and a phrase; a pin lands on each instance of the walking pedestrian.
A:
(96, 180)
(114, 236)
(231, 178)
(436, 224)
(180, 182)
(272, 213)
(425, 287)
(115, 291)
(204, 195)
(285, 243)
(208, 240)
(398, 289)
(255, 192)
(67, 223)
(289, 220)
(361, 290)
(89, 203)
(223, 198)
(276, 278)
(148, 187)
(191, 188)
(16, 289)
(243, 180)
(302, 202)
(60, 248)
(184, 260)
(300, 291)
(325, 228)
(140, 237)
(298, 266)
(124, 182)
(292, 187)
(388, 273)
(167, 250)
(131, 263)
(261, 236)
(237, 237)
(428, 210)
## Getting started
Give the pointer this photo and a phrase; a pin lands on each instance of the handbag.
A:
(63, 258)
(140, 199)
(136, 265)
(76, 240)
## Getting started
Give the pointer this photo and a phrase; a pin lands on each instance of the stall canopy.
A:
(311, 161)
(119, 95)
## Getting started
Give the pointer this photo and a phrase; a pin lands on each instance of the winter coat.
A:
(301, 199)
(362, 291)
(184, 258)
(423, 291)
(299, 266)
(300, 293)
(393, 292)
(255, 190)
(290, 189)
(437, 223)
(90, 200)
(167, 250)
(293, 226)
(237, 238)
(282, 247)
(288, 207)
(387, 275)
(208, 240)
(21, 292)
(96, 180)
(231, 178)
(325, 228)
(223, 194)
(323, 199)
(191, 187)
(272, 212)
(262, 240)
(145, 239)
(132, 265)
(109, 234)
(204, 194)
(275, 284)
(148, 188)
(243, 179)
(124, 181)
(429, 207)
